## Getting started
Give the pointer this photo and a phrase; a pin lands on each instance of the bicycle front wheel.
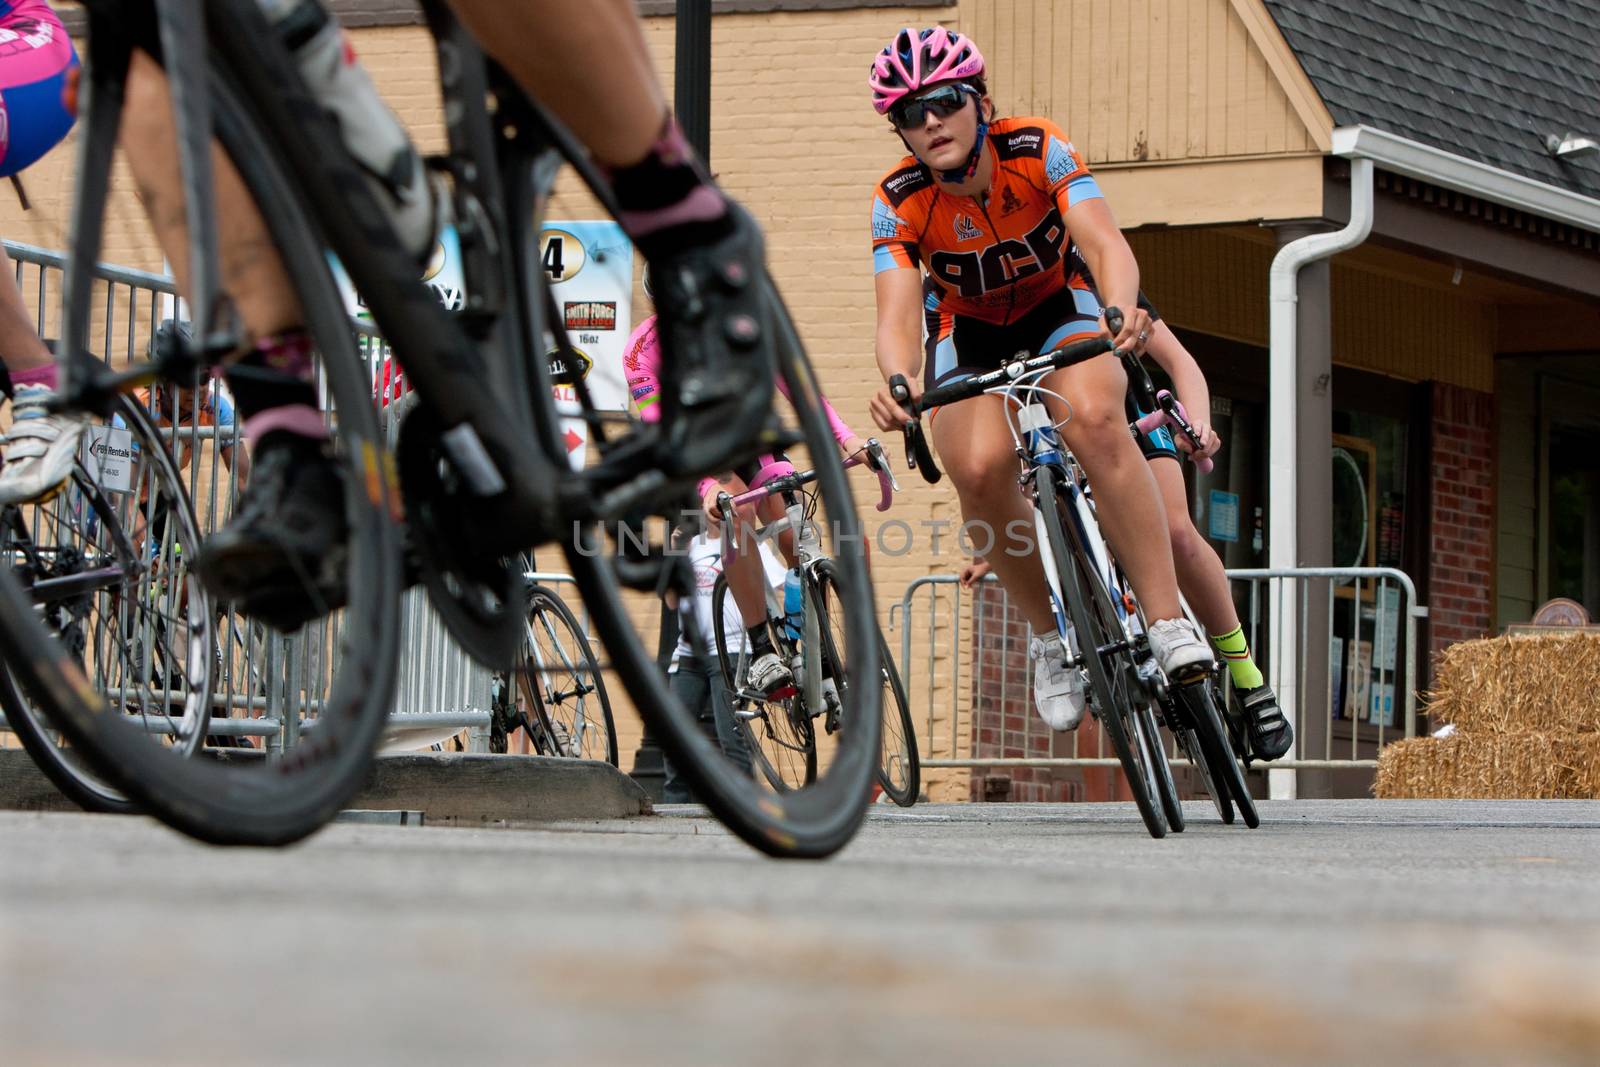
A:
(777, 732)
(1103, 645)
(559, 678)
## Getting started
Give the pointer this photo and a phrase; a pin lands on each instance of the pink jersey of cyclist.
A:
(641, 363)
(35, 58)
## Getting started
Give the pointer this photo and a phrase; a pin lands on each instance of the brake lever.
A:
(730, 536)
(879, 460)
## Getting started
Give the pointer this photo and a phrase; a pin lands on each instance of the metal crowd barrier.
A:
(963, 663)
(271, 685)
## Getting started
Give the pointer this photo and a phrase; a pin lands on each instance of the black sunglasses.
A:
(943, 102)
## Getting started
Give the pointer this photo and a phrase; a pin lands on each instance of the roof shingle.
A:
(1484, 79)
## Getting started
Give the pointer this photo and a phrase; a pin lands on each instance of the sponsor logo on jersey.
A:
(966, 230)
(900, 185)
(1028, 141)
(591, 314)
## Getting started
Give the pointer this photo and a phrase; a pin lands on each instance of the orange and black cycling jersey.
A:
(994, 258)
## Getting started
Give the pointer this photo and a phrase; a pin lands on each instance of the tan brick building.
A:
(1434, 351)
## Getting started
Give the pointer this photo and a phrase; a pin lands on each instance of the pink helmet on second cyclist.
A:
(919, 58)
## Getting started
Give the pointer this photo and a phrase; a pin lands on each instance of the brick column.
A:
(1461, 560)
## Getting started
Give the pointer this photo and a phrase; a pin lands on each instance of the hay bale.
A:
(1463, 766)
(1521, 684)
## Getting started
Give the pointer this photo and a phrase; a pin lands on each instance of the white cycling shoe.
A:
(770, 675)
(39, 449)
(1058, 689)
(1180, 652)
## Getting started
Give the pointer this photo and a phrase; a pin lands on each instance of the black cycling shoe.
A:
(718, 357)
(1270, 733)
(282, 558)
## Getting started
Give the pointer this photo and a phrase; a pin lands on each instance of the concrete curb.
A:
(451, 789)
(467, 789)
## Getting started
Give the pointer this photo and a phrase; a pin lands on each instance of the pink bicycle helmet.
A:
(918, 58)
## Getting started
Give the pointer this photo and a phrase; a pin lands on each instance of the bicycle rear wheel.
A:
(1099, 628)
(1213, 739)
(242, 800)
(899, 767)
(106, 563)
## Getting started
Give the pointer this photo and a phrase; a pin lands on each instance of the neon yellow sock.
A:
(1236, 654)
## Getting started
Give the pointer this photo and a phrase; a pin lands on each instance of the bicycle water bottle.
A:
(793, 604)
(413, 200)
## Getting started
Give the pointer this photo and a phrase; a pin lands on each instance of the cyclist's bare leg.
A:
(747, 579)
(252, 273)
(20, 347)
(1128, 504)
(619, 116)
(977, 452)
(281, 556)
(718, 367)
(1200, 572)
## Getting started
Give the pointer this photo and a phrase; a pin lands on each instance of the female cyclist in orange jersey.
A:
(985, 209)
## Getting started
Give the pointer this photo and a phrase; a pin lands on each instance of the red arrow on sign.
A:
(574, 441)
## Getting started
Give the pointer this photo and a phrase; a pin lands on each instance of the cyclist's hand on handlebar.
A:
(1210, 442)
(1136, 329)
(887, 412)
(852, 446)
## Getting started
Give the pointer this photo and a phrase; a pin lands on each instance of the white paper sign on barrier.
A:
(107, 454)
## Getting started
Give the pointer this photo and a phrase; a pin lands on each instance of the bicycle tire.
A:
(1213, 738)
(812, 822)
(899, 763)
(822, 817)
(1155, 752)
(233, 801)
(68, 770)
(1189, 741)
(1094, 619)
(567, 709)
(782, 744)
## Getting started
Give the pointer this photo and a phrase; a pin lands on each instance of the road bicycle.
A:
(480, 471)
(1095, 613)
(781, 729)
(555, 692)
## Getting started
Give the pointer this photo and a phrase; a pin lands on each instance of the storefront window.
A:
(1375, 447)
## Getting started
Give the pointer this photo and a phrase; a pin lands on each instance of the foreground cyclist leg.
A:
(704, 251)
(281, 557)
(35, 66)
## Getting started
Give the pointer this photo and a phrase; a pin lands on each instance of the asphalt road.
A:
(1341, 932)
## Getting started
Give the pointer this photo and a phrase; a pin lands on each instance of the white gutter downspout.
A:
(1282, 531)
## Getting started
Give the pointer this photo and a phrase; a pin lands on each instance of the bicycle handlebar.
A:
(1171, 413)
(872, 456)
(918, 455)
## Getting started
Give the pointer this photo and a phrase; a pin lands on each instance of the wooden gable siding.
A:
(1137, 81)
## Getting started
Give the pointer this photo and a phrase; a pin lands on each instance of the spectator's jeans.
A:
(698, 684)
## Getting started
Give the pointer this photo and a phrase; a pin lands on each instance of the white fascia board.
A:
(1426, 163)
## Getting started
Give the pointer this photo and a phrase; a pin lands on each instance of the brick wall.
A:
(1461, 566)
